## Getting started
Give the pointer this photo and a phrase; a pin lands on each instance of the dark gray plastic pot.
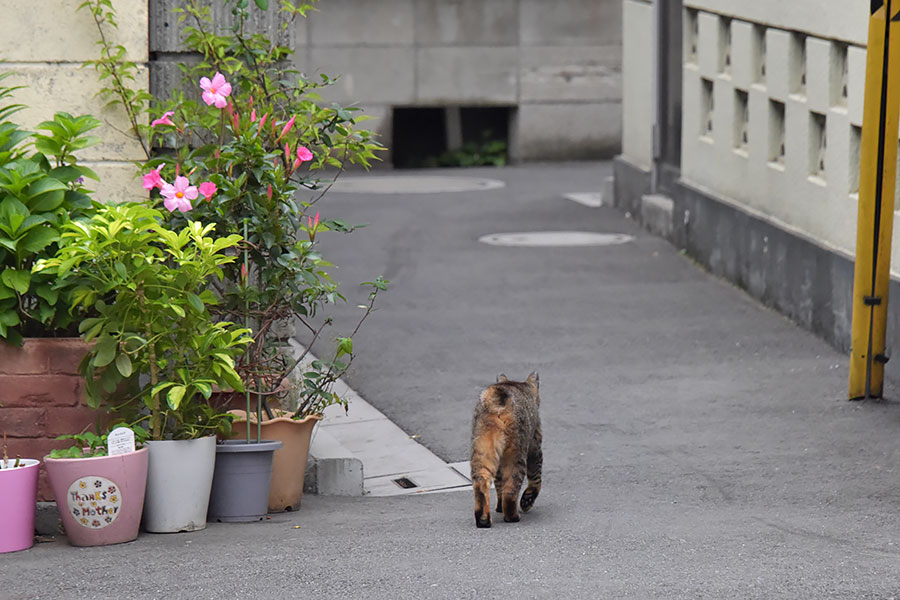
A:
(240, 488)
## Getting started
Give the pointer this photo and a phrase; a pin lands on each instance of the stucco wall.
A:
(47, 55)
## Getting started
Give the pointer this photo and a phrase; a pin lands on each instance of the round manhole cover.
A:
(413, 184)
(555, 238)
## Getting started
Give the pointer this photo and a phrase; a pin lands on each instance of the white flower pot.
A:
(179, 480)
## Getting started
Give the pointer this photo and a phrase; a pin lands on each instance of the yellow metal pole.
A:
(878, 163)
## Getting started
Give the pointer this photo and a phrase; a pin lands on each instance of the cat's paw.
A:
(528, 499)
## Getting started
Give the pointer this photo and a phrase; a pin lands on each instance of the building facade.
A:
(741, 142)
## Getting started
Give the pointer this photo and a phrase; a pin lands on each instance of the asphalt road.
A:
(696, 444)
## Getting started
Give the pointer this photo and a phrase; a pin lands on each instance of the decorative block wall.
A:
(42, 397)
(772, 97)
(47, 56)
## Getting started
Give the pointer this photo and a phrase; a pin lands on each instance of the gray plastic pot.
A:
(178, 483)
(240, 489)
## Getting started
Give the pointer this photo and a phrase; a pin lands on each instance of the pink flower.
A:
(269, 192)
(208, 188)
(153, 180)
(286, 128)
(244, 274)
(262, 121)
(163, 120)
(179, 195)
(303, 154)
(287, 152)
(215, 91)
(253, 116)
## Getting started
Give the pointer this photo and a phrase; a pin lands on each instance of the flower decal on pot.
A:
(92, 501)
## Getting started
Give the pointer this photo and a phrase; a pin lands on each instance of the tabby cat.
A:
(506, 446)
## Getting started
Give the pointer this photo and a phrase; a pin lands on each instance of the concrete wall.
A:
(637, 82)
(558, 63)
(47, 55)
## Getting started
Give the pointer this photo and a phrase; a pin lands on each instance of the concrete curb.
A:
(332, 470)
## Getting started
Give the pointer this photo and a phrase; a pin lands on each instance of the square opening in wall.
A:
(853, 167)
(741, 121)
(759, 53)
(817, 144)
(706, 108)
(797, 64)
(838, 91)
(776, 132)
(451, 136)
(724, 45)
(691, 35)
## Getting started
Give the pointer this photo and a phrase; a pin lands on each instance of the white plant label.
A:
(120, 441)
(95, 502)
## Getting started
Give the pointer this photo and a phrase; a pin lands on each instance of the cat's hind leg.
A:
(535, 465)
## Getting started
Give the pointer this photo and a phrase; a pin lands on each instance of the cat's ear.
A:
(534, 379)
(501, 378)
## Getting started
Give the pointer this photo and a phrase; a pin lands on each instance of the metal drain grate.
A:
(406, 483)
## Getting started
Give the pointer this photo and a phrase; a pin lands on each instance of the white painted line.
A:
(589, 199)
(536, 239)
(412, 184)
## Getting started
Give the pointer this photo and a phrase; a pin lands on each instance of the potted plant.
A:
(259, 138)
(18, 480)
(99, 490)
(42, 187)
(156, 351)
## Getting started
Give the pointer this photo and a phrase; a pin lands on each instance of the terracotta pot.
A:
(289, 463)
(100, 499)
(18, 489)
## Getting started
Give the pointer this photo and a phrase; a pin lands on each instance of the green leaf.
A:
(204, 388)
(105, 351)
(230, 377)
(177, 310)
(174, 397)
(37, 239)
(17, 280)
(123, 364)
(160, 387)
(345, 346)
(262, 4)
(47, 292)
(195, 302)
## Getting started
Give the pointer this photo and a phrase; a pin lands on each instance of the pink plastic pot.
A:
(18, 495)
(101, 499)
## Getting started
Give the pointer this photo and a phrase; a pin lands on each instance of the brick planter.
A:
(42, 396)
